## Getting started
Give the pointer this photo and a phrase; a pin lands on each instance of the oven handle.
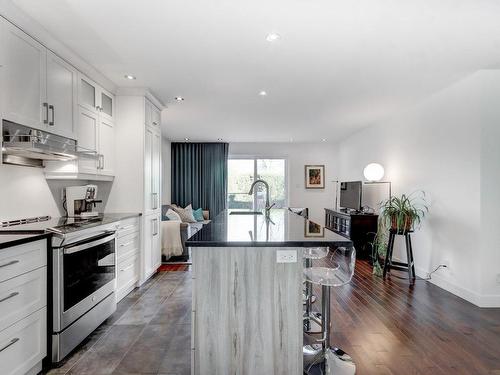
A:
(100, 241)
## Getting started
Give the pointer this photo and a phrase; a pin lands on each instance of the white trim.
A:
(464, 293)
(141, 91)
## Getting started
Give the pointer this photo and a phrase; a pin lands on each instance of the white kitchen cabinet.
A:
(138, 148)
(128, 248)
(23, 322)
(61, 96)
(152, 255)
(95, 98)
(38, 87)
(88, 123)
(106, 149)
(24, 78)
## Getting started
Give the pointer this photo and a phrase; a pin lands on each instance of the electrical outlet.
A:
(286, 256)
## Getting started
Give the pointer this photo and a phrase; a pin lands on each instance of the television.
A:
(350, 195)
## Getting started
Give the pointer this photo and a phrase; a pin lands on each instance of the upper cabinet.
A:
(39, 88)
(93, 97)
(61, 96)
(23, 77)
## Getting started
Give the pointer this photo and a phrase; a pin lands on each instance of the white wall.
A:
(298, 155)
(436, 147)
(166, 168)
(24, 192)
(490, 188)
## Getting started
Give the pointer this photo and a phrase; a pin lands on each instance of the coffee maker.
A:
(80, 201)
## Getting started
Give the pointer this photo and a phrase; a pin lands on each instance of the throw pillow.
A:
(186, 214)
(198, 214)
(172, 215)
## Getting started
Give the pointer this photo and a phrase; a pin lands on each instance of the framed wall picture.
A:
(311, 229)
(315, 176)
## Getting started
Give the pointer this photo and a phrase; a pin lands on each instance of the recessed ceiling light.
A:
(272, 37)
(219, 139)
(186, 139)
(323, 140)
(262, 93)
(179, 98)
(128, 76)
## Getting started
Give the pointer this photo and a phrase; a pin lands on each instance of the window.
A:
(243, 172)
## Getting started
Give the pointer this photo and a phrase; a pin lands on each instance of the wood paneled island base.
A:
(247, 311)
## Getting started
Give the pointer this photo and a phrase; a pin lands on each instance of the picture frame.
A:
(311, 229)
(315, 176)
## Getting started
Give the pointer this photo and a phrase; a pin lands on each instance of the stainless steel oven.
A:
(84, 282)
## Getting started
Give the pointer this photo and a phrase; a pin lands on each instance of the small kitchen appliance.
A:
(80, 201)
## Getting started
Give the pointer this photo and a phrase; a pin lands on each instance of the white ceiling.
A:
(339, 66)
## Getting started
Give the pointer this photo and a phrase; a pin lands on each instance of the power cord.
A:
(429, 274)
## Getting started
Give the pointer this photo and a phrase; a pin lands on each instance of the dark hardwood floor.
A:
(391, 327)
(388, 327)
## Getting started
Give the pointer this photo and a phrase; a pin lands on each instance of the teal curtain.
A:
(199, 175)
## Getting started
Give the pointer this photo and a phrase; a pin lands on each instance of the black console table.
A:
(358, 227)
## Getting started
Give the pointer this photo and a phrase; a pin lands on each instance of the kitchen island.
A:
(247, 291)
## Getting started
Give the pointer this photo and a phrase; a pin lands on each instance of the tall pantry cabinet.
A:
(138, 180)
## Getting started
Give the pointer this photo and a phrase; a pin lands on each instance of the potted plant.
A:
(403, 213)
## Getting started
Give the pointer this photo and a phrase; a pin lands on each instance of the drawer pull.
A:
(9, 296)
(127, 227)
(12, 342)
(127, 268)
(126, 244)
(9, 263)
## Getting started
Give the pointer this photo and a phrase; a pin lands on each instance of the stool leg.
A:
(408, 258)
(388, 254)
(311, 319)
(324, 359)
(411, 256)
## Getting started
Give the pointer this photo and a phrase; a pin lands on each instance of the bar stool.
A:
(321, 358)
(312, 320)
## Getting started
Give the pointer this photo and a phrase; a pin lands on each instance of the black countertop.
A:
(23, 233)
(284, 229)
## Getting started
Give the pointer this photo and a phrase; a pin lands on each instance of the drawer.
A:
(24, 344)
(128, 245)
(128, 272)
(128, 226)
(22, 296)
(20, 259)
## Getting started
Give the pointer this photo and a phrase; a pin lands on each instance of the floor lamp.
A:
(374, 173)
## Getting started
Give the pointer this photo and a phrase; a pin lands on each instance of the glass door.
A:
(243, 172)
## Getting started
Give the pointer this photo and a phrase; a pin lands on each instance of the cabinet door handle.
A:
(102, 166)
(51, 107)
(155, 123)
(9, 296)
(12, 342)
(155, 227)
(122, 245)
(9, 263)
(127, 268)
(154, 199)
(46, 106)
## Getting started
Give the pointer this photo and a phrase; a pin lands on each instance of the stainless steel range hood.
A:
(26, 146)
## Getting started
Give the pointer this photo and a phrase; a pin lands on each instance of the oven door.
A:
(86, 275)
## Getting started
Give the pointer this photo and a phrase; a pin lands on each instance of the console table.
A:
(358, 227)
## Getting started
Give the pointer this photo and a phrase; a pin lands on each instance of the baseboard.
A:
(464, 293)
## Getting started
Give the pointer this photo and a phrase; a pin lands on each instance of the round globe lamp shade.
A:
(373, 172)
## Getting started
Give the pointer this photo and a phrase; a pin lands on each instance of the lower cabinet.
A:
(23, 304)
(152, 244)
(128, 256)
